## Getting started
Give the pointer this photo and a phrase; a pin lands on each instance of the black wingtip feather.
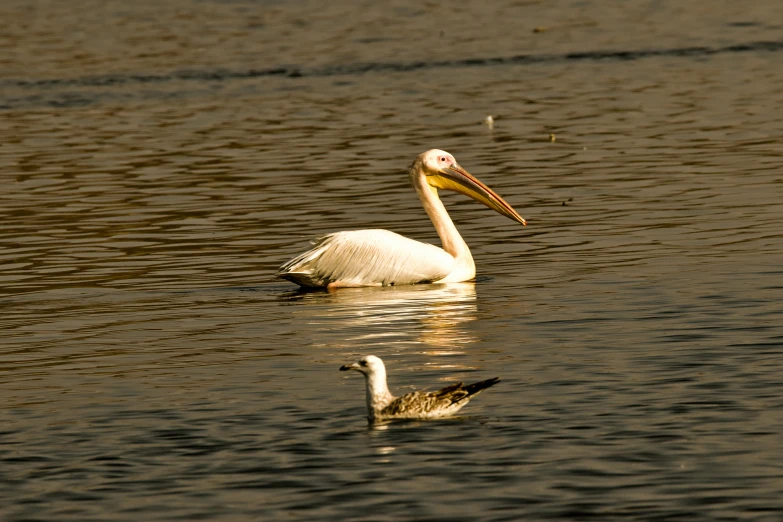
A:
(478, 386)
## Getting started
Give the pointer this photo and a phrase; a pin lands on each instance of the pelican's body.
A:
(380, 258)
(382, 405)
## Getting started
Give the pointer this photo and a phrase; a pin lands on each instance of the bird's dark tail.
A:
(474, 388)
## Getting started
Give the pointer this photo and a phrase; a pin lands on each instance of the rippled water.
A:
(160, 160)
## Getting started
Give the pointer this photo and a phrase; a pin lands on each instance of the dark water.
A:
(160, 159)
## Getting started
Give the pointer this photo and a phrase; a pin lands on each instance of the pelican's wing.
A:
(367, 258)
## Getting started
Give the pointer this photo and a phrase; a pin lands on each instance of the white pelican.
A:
(380, 258)
(381, 404)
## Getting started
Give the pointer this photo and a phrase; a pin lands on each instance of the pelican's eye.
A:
(443, 159)
(362, 363)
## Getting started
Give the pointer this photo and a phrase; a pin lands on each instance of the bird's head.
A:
(438, 169)
(368, 365)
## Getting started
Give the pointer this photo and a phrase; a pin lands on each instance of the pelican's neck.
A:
(378, 396)
(449, 236)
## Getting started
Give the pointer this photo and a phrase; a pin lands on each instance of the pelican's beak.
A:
(456, 178)
(346, 367)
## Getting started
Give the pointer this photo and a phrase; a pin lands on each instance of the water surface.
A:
(161, 160)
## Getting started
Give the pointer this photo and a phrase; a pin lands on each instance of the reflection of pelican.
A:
(381, 404)
(382, 258)
(433, 315)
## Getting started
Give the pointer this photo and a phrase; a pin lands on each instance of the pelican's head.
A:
(440, 170)
(369, 365)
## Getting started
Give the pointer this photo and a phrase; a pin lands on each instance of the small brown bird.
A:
(382, 405)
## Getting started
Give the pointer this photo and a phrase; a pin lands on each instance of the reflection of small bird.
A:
(381, 404)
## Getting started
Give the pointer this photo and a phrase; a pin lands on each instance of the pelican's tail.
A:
(299, 270)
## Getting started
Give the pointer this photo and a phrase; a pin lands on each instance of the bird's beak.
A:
(458, 179)
(346, 367)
